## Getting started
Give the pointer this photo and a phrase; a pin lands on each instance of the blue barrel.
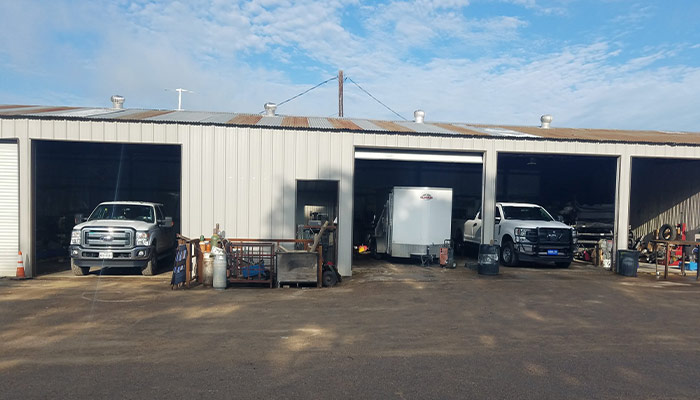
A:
(488, 259)
(627, 262)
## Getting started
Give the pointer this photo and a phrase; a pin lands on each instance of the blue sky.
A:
(591, 64)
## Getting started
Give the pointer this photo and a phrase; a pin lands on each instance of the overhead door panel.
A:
(9, 208)
(407, 155)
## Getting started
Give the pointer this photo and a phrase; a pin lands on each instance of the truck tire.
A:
(667, 232)
(77, 270)
(329, 277)
(509, 257)
(152, 266)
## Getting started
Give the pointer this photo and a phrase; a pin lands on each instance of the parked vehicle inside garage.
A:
(122, 234)
(527, 232)
(414, 222)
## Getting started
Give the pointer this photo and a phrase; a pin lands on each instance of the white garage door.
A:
(9, 208)
(424, 156)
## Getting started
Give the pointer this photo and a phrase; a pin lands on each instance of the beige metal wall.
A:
(245, 178)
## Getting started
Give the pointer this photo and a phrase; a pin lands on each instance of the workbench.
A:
(667, 254)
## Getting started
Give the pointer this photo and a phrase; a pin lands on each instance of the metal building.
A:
(244, 171)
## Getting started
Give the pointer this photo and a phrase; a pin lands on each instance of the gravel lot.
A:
(391, 331)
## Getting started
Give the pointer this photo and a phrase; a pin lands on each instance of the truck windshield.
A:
(130, 212)
(527, 213)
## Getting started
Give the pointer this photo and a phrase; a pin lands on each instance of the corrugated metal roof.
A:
(245, 119)
(114, 113)
(218, 118)
(20, 110)
(426, 127)
(270, 121)
(295, 122)
(320, 123)
(350, 124)
(366, 125)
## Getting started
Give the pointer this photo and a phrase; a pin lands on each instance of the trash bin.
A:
(627, 262)
(488, 259)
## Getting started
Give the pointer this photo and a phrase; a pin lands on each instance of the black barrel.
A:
(627, 262)
(488, 259)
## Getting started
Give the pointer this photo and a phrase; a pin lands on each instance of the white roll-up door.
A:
(9, 208)
(424, 156)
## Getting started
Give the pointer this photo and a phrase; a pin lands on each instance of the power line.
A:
(305, 92)
(375, 99)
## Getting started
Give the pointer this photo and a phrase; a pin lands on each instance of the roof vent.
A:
(117, 101)
(546, 121)
(419, 116)
(270, 109)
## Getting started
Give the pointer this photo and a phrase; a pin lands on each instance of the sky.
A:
(614, 64)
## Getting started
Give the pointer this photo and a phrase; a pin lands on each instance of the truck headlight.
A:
(525, 235)
(75, 237)
(142, 238)
(574, 236)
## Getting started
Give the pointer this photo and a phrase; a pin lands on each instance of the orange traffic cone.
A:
(20, 266)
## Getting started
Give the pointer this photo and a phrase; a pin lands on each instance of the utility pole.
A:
(340, 93)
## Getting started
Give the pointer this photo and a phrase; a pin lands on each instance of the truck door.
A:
(472, 229)
(167, 239)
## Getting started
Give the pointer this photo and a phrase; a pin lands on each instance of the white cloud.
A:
(410, 54)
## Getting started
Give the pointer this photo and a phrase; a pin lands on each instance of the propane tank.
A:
(208, 270)
(219, 279)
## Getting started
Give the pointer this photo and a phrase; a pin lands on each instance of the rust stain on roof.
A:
(459, 129)
(610, 135)
(295, 122)
(245, 119)
(3, 107)
(143, 115)
(391, 126)
(37, 110)
(344, 124)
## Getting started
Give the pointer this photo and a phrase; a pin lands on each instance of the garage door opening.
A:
(664, 193)
(71, 178)
(577, 190)
(316, 203)
(376, 173)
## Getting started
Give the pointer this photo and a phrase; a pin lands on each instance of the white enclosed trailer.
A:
(415, 221)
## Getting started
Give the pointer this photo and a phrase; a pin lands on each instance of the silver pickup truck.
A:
(122, 234)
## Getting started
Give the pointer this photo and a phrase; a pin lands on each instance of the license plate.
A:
(552, 252)
(106, 254)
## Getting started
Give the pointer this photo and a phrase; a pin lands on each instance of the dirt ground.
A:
(391, 331)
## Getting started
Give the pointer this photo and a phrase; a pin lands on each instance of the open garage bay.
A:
(71, 178)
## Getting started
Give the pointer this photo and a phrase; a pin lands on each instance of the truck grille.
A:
(554, 236)
(104, 238)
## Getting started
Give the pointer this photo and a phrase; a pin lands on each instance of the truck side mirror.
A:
(498, 220)
(167, 222)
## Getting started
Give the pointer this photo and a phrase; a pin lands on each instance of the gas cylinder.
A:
(219, 279)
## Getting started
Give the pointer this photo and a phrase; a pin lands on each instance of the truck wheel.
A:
(152, 267)
(509, 257)
(563, 264)
(77, 270)
(667, 232)
(329, 278)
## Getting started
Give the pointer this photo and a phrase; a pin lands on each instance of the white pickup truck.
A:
(122, 234)
(526, 232)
